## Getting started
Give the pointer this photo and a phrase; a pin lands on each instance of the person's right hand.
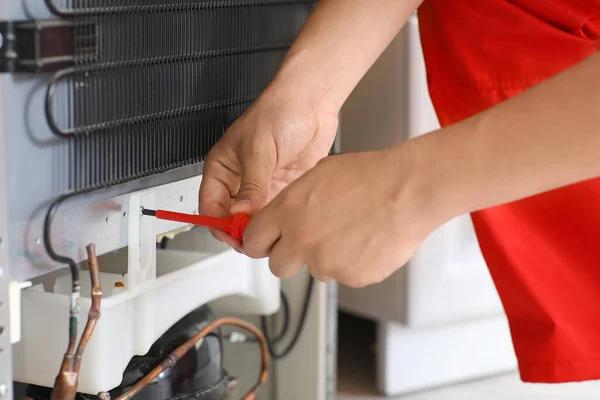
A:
(280, 137)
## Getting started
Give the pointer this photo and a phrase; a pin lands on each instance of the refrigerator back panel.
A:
(123, 96)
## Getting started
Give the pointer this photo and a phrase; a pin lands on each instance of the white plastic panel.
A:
(411, 360)
(447, 279)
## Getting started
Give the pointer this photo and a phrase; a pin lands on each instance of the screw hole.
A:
(107, 220)
(180, 198)
(124, 213)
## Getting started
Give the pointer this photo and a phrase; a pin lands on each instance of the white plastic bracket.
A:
(141, 265)
(141, 259)
(14, 300)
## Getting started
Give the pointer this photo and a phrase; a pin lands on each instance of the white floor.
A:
(499, 388)
(356, 376)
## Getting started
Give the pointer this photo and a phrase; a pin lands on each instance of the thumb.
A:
(257, 171)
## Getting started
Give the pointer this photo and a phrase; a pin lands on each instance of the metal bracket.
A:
(44, 45)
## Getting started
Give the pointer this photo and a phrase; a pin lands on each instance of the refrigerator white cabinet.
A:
(440, 319)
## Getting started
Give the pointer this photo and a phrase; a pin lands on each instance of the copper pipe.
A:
(94, 314)
(180, 351)
(65, 385)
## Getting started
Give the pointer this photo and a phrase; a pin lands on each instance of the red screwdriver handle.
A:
(238, 226)
(201, 220)
(233, 225)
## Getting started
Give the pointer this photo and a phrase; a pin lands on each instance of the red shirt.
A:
(543, 252)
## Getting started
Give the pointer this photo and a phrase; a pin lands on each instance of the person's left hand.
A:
(353, 218)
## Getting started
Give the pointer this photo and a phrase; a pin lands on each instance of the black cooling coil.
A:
(156, 83)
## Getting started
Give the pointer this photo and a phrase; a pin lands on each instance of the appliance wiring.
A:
(271, 342)
(285, 306)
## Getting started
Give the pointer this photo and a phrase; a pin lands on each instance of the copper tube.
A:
(94, 314)
(180, 351)
(65, 385)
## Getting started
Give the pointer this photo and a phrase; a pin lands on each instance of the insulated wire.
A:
(272, 341)
(285, 304)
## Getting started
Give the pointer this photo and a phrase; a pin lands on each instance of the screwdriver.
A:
(233, 225)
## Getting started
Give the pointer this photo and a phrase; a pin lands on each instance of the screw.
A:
(124, 213)
(180, 198)
(107, 220)
(38, 241)
(3, 390)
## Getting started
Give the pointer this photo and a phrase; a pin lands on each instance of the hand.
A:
(354, 218)
(281, 136)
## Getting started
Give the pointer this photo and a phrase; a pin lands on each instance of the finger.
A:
(263, 231)
(258, 165)
(214, 199)
(219, 184)
(285, 261)
(228, 240)
(317, 273)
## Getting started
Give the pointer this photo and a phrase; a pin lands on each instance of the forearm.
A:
(545, 138)
(338, 44)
